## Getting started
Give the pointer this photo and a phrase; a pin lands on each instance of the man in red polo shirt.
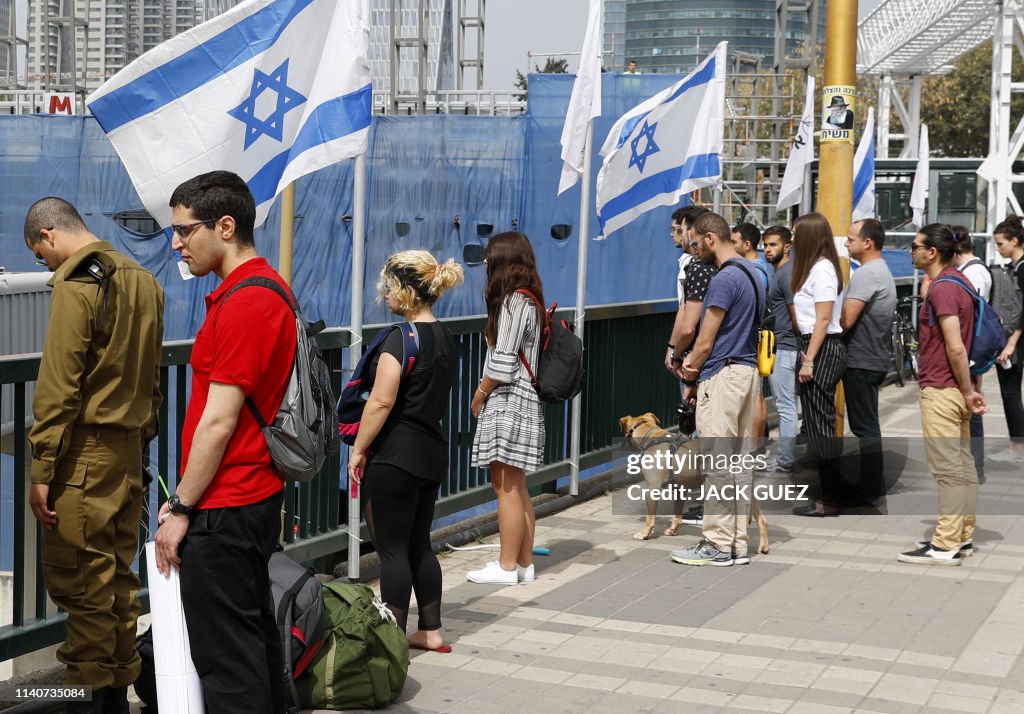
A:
(221, 525)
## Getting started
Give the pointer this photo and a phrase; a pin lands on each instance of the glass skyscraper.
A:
(672, 36)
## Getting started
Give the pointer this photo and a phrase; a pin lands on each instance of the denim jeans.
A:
(783, 381)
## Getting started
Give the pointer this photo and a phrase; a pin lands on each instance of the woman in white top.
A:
(817, 284)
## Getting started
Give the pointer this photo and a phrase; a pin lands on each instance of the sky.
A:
(515, 27)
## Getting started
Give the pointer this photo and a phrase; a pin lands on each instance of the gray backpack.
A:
(1006, 297)
(305, 431)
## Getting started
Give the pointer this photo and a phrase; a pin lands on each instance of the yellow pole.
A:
(839, 95)
(287, 232)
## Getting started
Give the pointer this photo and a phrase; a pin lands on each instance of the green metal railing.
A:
(624, 346)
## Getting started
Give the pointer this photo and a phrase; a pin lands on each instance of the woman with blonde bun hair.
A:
(401, 453)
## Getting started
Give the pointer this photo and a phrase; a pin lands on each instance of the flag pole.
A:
(581, 302)
(287, 232)
(356, 320)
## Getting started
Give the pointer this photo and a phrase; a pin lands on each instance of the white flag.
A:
(801, 154)
(665, 147)
(864, 172)
(271, 89)
(919, 191)
(585, 102)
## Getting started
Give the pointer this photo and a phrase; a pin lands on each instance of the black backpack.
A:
(357, 391)
(301, 618)
(560, 374)
(303, 433)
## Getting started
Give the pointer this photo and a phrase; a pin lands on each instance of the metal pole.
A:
(287, 232)
(356, 320)
(581, 303)
(835, 167)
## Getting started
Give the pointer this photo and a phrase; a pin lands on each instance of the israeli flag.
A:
(665, 147)
(864, 172)
(271, 90)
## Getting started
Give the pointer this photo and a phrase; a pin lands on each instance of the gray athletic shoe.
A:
(704, 553)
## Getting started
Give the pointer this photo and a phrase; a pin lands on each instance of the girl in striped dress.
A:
(509, 436)
(817, 283)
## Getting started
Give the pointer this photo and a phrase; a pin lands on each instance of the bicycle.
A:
(904, 340)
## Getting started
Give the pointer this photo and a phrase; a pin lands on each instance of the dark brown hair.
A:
(812, 241)
(511, 266)
(1012, 229)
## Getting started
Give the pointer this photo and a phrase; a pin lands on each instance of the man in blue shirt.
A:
(721, 376)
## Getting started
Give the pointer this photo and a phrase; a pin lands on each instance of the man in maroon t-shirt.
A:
(948, 397)
(222, 523)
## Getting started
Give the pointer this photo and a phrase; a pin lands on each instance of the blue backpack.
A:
(357, 391)
(988, 339)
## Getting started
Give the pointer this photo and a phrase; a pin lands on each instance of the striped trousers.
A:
(818, 402)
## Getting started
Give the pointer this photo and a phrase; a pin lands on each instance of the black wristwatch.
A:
(175, 505)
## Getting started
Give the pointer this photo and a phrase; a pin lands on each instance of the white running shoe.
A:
(527, 574)
(493, 574)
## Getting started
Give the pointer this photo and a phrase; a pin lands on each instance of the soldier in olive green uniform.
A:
(95, 409)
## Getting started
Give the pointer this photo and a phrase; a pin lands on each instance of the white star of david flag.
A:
(665, 147)
(864, 173)
(791, 192)
(919, 189)
(271, 90)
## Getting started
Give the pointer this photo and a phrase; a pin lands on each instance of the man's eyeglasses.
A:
(917, 246)
(187, 229)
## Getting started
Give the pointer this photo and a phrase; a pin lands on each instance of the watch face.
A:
(174, 504)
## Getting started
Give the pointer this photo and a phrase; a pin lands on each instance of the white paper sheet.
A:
(178, 690)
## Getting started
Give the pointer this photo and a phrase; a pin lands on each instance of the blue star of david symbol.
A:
(647, 135)
(287, 99)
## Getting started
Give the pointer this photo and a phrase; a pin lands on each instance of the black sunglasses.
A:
(186, 229)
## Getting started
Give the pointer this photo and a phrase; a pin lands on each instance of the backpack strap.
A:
(975, 261)
(758, 317)
(410, 347)
(975, 297)
(289, 298)
(545, 334)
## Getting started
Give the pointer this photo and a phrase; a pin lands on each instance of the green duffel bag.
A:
(364, 658)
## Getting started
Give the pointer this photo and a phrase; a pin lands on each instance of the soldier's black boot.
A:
(115, 700)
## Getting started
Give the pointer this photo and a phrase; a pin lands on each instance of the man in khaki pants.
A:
(720, 374)
(948, 398)
(95, 409)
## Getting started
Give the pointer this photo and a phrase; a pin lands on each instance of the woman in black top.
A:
(1009, 238)
(400, 443)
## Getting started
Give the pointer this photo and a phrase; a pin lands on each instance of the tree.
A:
(551, 66)
(956, 106)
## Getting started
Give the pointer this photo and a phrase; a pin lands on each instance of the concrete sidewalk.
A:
(827, 622)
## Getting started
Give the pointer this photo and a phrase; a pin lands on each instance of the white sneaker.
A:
(1009, 456)
(527, 574)
(493, 574)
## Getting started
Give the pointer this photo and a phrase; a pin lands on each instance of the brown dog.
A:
(644, 435)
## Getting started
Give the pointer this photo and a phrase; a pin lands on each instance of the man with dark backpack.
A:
(948, 398)
(221, 525)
